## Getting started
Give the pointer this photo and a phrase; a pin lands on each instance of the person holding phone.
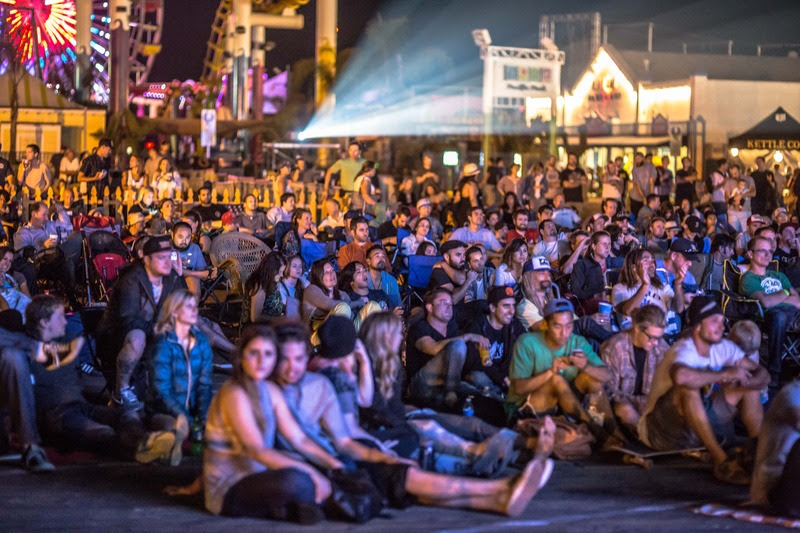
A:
(555, 369)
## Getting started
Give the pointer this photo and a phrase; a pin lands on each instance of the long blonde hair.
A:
(166, 318)
(375, 333)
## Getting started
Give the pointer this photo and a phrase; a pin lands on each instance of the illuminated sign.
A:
(450, 158)
(773, 144)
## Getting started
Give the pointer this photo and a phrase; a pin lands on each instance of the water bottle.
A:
(196, 436)
(468, 410)
(426, 458)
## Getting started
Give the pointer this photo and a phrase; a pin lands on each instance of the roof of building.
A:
(33, 94)
(660, 67)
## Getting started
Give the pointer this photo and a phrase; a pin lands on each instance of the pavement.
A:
(598, 494)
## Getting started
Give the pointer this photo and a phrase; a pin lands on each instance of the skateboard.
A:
(639, 454)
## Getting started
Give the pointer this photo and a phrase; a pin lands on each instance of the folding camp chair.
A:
(420, 268)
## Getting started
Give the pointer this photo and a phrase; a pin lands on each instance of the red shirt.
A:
(531, 235)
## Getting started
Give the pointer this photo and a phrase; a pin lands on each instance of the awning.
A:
(779, 131)
(622, 140)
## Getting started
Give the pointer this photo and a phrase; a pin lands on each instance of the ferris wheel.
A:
(44, 35)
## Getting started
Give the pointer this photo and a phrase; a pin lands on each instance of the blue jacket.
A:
(180, 385)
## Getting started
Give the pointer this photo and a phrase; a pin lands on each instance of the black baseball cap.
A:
(684, 246)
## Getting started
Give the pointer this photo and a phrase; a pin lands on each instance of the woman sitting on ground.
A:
(180, 371)
(243, 473)
(509, 273)
(301, 228)
(322, 299)
(263, 299)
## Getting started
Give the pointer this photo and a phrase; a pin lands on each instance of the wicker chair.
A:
(236, 255)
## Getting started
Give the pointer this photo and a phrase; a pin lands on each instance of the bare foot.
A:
(547, 439)
(526, 485)
(186, 490)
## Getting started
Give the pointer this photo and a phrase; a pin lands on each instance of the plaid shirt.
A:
(617, 354)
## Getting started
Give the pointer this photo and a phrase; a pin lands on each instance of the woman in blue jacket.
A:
(180, 371)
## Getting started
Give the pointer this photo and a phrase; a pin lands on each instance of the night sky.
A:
(446, 24)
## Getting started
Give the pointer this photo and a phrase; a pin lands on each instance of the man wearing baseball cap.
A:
(753, 223)
(537, 291)
(489, 367)
(673, 270)
(692, 229)
(701, 385)
(128, 320)
(555, 368)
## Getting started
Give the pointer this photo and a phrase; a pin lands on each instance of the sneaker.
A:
(35, 460)
(157, 445)
(88, 369)
(127, 400)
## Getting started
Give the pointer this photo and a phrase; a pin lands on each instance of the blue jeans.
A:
(440, 375)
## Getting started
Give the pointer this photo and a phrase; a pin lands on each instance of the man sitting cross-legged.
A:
(556, 368)
(703, 382)
(632, 357)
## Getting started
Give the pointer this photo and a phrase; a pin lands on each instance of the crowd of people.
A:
(431, 347)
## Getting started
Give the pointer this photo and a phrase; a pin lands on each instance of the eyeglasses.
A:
(762, 251)
(651, 337)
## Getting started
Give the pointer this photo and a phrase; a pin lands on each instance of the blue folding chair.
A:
(420, 268)
(311, 251)
(397, 258)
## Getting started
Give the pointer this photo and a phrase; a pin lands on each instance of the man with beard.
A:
(449, 273)
(209, 211)
(521, 229)
(548, 246)
(358, 288)
(654, 239)
(488, 368)
(195, 269)
(702, 383)
(379, 279)
(435, 353)
(479, 287)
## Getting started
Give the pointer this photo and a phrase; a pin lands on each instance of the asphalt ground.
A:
(87, 494)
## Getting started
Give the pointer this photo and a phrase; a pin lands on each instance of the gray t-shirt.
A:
(314, 400)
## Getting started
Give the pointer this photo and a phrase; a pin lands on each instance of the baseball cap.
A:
(558, 305)
(702, 307)
(162, 243)
(496, 294)
(683, 246)
(671, 224)
(694, 224)
(452, 245)
(619, 217)
(598, 216)
(537, 263)
(423, 202)
(755, 218)
(337, 337)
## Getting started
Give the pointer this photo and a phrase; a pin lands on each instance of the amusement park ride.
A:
(95, 50)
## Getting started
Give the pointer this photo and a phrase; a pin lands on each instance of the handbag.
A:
(354, 498)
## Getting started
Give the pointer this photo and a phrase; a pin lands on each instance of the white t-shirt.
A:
(661, 297)
(547, 249)
(684, 352)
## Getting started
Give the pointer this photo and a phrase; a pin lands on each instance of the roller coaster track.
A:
(215, 51)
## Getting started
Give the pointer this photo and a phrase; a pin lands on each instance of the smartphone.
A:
(174, 256)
